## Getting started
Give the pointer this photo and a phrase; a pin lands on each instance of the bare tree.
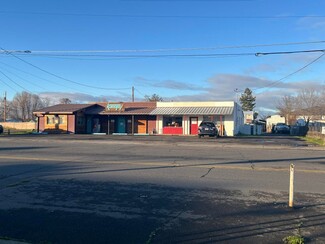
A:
(23, 105)
(308, 104)
(46, 101)
(65, 100)
(286, 107)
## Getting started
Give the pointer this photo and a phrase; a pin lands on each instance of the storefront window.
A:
(55, 119)
(169, 121)
(61, 120)
(50, 120)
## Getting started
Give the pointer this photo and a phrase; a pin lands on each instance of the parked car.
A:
(207, 128)
(1, 129)
(281, 128)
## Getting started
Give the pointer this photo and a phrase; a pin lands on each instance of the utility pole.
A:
(5, 107)
(132, 118)
(237, 92)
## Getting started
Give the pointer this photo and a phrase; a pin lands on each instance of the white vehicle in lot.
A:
(281, 128)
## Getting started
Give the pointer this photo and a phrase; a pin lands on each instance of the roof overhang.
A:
(193, 111)
(51, 113)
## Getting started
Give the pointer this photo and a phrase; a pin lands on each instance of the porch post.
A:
(132, 122)
(221, 125)
(108, 122)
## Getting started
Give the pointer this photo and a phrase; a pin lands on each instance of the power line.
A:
(62, 78)
(158, 49)
(36, 85)
(290, 52)
(164, 16)
(147, 56)
(9, 86)
(41, 78)
(272, 84)
(171, 55)
(14, 82)
(139, 92)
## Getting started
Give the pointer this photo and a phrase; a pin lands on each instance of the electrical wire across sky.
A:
(92, 52)
(209, 17)
(209, 55)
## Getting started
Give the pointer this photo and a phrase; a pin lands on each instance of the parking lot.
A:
(159, 189)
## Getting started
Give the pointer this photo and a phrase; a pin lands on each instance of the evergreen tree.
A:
(247, 100)
(153, 98)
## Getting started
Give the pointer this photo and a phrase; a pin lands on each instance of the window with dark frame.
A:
(171, 121)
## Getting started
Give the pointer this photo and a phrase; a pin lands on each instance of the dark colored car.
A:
(1, 129)
(208, 128)
(281, 128)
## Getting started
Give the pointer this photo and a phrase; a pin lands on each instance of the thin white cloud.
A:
(262, 68)
(220, 87)
(311, 23)
(168, 84)
(228, 83)
(55, 97)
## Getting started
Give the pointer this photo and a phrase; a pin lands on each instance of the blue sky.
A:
(66, 25)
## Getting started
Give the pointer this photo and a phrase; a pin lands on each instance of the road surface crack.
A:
(202, 176)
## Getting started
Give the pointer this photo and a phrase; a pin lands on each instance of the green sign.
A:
(114, 106)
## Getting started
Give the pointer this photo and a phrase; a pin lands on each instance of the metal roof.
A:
(193, 111)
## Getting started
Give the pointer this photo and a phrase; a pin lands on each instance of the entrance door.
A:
(194, 125)
(89, 125)
(120, 125)
(142, 126)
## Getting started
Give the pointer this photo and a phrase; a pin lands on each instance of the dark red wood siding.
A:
(71, 123)
(41, 124)
(151, 124)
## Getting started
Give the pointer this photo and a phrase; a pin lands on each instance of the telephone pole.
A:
(5, 107)
(132, 93)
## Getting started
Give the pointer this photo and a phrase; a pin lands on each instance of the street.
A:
(158, 189)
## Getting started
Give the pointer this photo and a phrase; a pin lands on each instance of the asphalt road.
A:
(158, 189)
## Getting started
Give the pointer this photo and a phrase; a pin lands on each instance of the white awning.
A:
(193, 111)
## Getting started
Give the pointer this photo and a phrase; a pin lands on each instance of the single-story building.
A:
(183, 118)
(109, 118)
(65, 118)
(272, 120)
(128, 118)
(164, 118)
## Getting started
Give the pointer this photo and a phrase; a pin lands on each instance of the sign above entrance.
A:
(114, 106)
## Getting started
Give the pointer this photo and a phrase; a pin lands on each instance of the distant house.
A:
(273, 120)
(312, 114)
